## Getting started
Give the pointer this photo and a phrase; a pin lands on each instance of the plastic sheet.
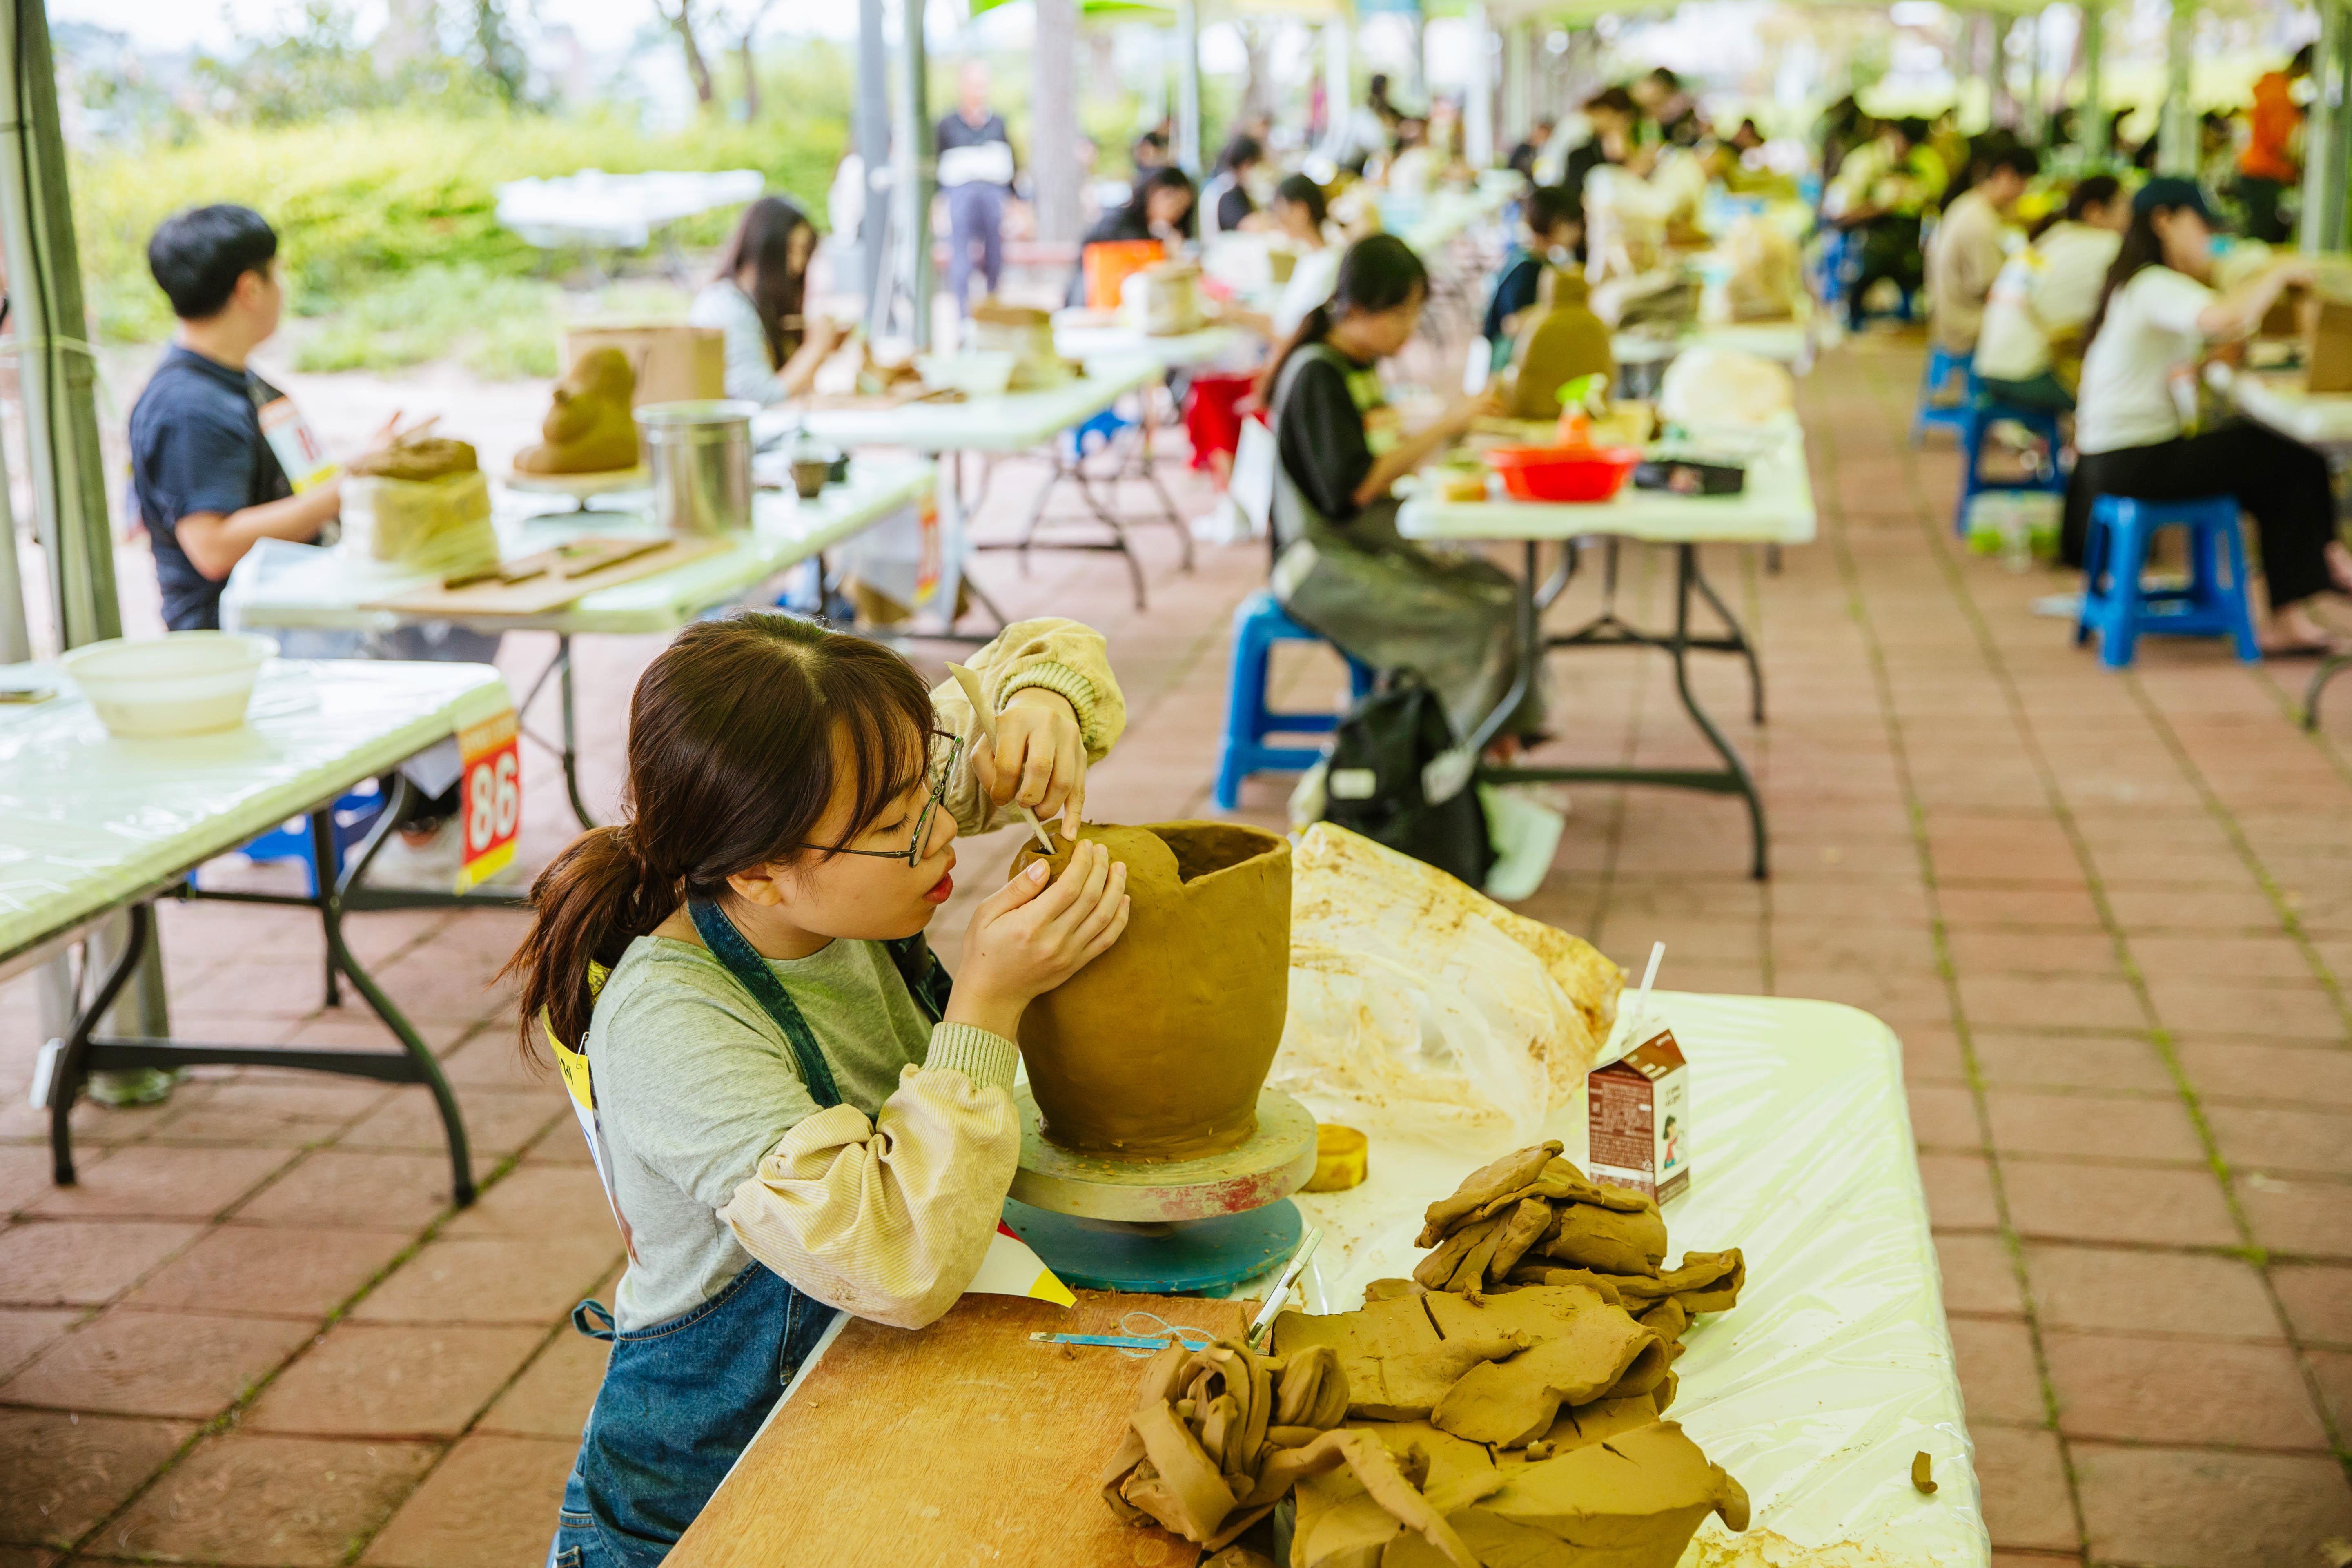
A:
(88, 821)
(1835, 1368)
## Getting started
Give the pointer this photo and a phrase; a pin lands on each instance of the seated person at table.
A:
(1968, 252)
(1226, 197)
(1300, 213)
(798, 1113)
(1160, 208)
(1881, 196)
(2028, 349)
(1552, 233)
(1341, 569)
(2147, 336)
(209, 487)
(1615, 120)
(758, 298)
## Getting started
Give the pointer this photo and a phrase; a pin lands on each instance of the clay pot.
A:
(1157, 1050)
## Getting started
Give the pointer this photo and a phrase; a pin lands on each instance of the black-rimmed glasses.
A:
(946, 752)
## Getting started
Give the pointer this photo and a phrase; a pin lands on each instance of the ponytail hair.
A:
(739, 733)
(1380, 272)
(2141, 248)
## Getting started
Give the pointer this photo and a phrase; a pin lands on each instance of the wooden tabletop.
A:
(958, 1444)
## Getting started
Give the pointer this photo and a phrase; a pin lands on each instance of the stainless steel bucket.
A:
(700, 454)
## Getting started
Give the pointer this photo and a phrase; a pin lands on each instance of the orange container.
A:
(1109, 263)
(1564, 473)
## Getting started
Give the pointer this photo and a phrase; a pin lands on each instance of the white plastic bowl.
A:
(182, 683)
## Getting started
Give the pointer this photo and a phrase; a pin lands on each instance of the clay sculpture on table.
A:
(1157, 1050)
(415, 459)
(1563, 340)
(590, 429)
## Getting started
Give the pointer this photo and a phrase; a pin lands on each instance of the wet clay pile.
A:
(1522, 1373)
(1221, 1434)
(589, 430)
(1156, 1050)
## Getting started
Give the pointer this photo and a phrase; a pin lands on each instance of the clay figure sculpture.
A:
(590, 429)
(1221, 1434)
(1157, 1050)
(1563, 341)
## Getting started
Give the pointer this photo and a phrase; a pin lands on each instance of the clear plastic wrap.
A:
(1835, 1368)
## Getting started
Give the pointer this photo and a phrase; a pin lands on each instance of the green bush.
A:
(361, 203)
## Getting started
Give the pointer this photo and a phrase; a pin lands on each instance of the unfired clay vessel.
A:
(1157, 1050)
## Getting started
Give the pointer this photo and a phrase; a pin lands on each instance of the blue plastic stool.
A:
(1982, 413)
(1936, 383)
(1829, 282)
(1258, 625)
(355, 814)
(2119, 609)
(1096, 433)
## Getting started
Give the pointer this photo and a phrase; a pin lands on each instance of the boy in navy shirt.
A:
(209, 487)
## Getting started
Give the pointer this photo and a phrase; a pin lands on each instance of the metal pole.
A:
(1339, 83)
(15, 635)
(1518, 85)
(2327, 136)
(2037, 116)
(871, 124)
(1478, 97)
(2095, 138)
(1188, 87)
(1054, 124)
(916, 169)
(2176, 149)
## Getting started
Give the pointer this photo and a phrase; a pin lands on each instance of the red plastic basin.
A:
(1564, 473)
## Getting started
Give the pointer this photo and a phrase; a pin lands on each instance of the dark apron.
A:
(682, 1399)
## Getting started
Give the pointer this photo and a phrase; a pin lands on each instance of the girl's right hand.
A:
(1030, 935)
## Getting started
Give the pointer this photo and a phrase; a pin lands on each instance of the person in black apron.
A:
(792, 1110)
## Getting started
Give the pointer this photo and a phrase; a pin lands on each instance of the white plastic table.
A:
(1008, 424)
(1775, 509)
(1786, 342)
(1078, 336)
(328, 591)
(1835, 1367)
(622, 211)
(90, 825)
(2314, 419)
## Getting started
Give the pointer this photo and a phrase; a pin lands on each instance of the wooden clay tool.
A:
(987, 721)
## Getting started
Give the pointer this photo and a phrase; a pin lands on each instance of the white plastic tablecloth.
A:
(1009, 422)
(1087, 341)
(1785, 343)
(1835, 1368)
(326, 590)
(2314, 419)
(89, 821)
(1776, 508)
(597, 208)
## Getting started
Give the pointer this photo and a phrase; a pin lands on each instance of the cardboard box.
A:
(2284, 318)
(1639, 1122)
(675, 362)
(2328, 351)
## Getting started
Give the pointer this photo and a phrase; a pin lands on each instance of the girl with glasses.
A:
(796, 1112)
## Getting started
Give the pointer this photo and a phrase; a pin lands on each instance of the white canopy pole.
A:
(1188, 87)
(2094, 118)
(2327, 136)
(1518, 85)
(918, 169)
(1478, 98)
(1339, 82)
(2176, 150)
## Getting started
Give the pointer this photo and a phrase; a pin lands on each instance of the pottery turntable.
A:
(1168, 1227)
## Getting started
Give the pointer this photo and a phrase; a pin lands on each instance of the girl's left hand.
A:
(1039, 759)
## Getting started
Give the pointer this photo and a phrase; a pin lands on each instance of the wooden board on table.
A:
(958, 1444)
(558, 585)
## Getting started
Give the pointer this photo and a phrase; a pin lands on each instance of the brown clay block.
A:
(1158, 1048)
(1584, 1349)
(1636, 1500)
(1706, 1282)
(1923, 1471)
(1609, 1241)
(1483, 1185)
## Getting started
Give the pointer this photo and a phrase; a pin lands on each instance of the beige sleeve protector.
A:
(890, 1218)
(1061, 655)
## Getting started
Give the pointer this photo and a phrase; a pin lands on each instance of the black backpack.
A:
(1379, 780)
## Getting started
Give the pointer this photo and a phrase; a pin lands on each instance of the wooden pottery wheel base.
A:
(1180, 1225)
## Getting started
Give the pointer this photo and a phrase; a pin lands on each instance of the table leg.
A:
(1686, 576)
(2328, 670)
(1738, 635)
(571, 733)
(73, 1062)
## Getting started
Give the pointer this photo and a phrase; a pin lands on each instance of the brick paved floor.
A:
(2110, 917)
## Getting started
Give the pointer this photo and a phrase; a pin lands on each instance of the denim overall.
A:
(682, 1398)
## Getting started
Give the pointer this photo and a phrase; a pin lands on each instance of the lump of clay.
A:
(416, 460)
(1564, 341)
(590, 429)
(1632, 1500)
(1583, 1349)
(1513, 1219)
(1221, 1434)
(1397, 1365)
(1157, 1050)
